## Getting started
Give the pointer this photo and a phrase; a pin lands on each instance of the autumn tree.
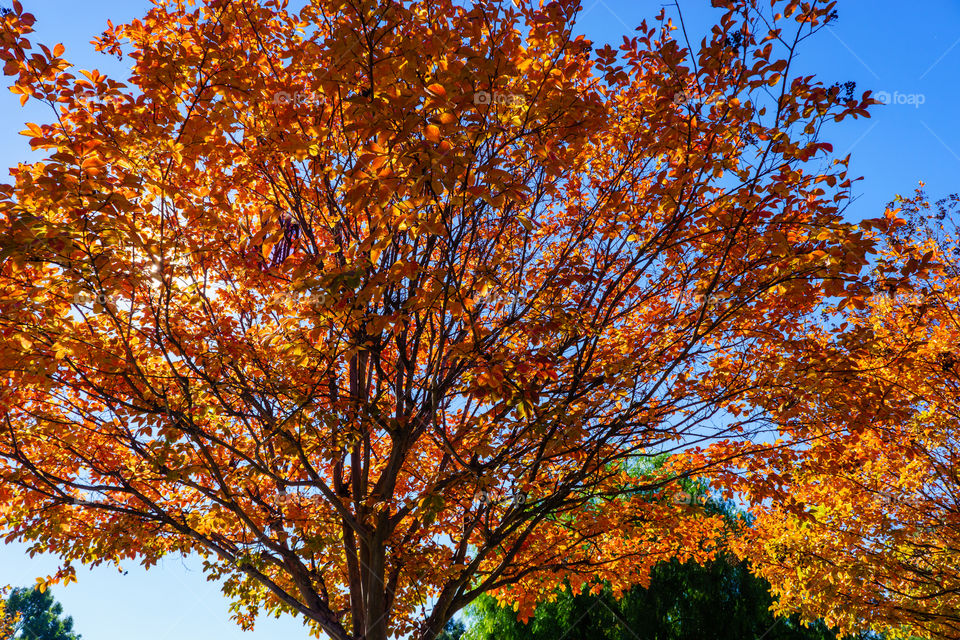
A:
(368, 302)
(8, 619)
(862, 517)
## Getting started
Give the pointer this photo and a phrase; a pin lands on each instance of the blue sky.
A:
(911, 52)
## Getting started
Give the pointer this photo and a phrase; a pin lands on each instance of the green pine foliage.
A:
(453, 630)
(40, 616)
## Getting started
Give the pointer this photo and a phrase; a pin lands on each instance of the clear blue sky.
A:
(905, 50)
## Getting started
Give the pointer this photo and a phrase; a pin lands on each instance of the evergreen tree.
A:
(40, 617)
(454, 630)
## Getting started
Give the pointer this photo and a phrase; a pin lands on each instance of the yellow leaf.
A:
(32, 130)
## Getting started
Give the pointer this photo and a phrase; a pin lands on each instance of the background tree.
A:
(368, 302)
(35, 615)
(683, 601)
(719, 600)
(871, 527)
(453, 630)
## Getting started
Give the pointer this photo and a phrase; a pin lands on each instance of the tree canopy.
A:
(369, 303)
(871, 527)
